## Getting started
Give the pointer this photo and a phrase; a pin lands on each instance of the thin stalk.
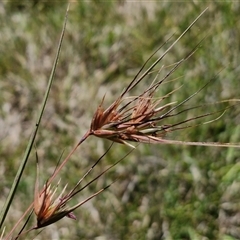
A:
(87, 134)
(33, 136)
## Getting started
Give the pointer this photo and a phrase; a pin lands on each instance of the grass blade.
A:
(34, 133)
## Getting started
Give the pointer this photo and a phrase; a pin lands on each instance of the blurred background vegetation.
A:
(162, 191)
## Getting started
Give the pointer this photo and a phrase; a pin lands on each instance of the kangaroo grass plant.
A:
(143, 118)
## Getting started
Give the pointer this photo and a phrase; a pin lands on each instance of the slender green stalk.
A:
(34, 133)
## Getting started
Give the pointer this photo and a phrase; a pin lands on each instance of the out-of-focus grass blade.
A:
(33, 136)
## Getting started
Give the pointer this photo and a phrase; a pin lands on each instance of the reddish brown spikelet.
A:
(134, 121)
(141, 118)
(49, 210)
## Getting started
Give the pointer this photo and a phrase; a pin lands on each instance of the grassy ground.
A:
(162, 191)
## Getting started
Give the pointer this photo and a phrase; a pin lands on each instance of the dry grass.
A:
(168, 192)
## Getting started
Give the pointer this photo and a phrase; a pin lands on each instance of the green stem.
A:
(33, 136)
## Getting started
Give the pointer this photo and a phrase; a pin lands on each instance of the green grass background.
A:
(162, 191)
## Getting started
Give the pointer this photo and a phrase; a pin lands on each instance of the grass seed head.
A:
(134, 121)
(49, 209)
